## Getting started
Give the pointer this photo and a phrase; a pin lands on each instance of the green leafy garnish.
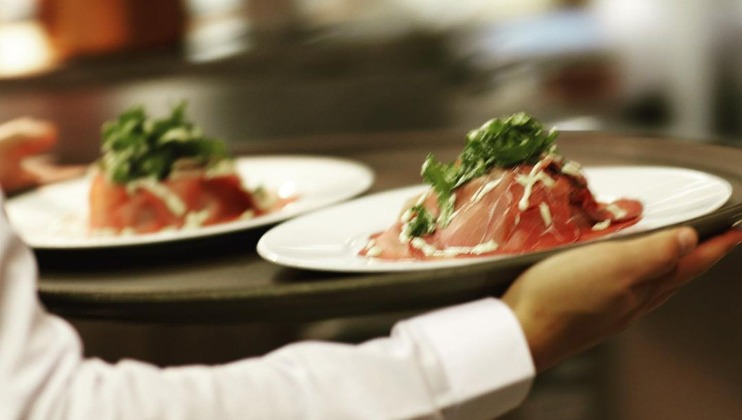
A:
(135, 146)
(504, 143)
(422, 222)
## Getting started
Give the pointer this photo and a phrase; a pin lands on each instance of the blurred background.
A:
(261, 71)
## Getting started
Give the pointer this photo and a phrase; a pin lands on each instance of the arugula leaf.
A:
(506, 142)
(135, 146)
(422, 221)
(442, 178)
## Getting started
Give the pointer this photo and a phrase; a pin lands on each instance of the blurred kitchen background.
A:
(260, 71)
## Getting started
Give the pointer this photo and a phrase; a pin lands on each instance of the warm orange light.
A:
(24, 49)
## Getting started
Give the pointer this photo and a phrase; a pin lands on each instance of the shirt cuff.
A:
(481, 353)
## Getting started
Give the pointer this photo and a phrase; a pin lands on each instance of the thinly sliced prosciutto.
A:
(186, 201)
(509, 211)
(163, 173)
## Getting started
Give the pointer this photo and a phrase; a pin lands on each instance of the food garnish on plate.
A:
(164, 174)
(509, 192)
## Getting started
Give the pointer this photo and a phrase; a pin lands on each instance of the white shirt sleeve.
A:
(465, 362)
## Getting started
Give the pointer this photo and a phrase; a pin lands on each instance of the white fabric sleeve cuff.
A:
(481, 352)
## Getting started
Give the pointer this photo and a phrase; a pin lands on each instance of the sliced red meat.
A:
(501, 207)
(141, 208)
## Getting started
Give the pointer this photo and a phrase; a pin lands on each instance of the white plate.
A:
(330, 239)
(55, 216)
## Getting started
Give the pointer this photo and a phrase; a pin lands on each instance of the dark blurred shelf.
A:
(307, 54)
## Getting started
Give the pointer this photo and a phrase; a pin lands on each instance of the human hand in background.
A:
(21, 142)
(576, 299)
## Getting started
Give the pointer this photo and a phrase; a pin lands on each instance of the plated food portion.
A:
(509, 192)
(331, 239)
(157, 174)
(162, 180)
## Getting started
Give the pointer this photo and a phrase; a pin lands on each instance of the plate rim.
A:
(129, 241)
(414, 265)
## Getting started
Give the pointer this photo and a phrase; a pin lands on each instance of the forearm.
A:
(471, 360)
(397, 377)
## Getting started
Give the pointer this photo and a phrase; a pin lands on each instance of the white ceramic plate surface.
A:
(56, 216)
(331, 238)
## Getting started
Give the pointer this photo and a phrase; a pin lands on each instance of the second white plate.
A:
(55, 216)
(330, 239)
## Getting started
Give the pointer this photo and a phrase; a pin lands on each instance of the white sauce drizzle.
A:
(171, 200)
(422, 198)
(191, 220)
(195, 219)
(528, 182)
(452, 203)
(372, 250)
(429, 250)
(404, 235)
(602, 225)
(222, 168)
(452, 251)
(406, 216)
(546, 179)
(407, 219)
(545, 213)
(617, 211)
(264, 199)
(423, 246)
(572, 168)
(483, 190)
